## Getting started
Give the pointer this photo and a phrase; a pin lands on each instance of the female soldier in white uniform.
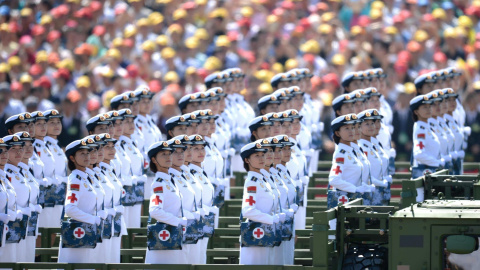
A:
(451, 99)
(302, 177)
(136, 164)
(277, 252)
(123, 170)
(32, 229)
(283, 153)
(51, 214)
(345, 179)
(81, 202)
(7, 206)
(165, 203)
(426, 156)
(17, 182)
(196, 251)
(99, 249)
(117, 192)
(368, 131)
(437, 129)
(208, 191)
(187, 193)
(54, 128)
(257, 205)
(151, 133)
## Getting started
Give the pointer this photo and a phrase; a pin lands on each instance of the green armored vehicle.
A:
(435, 234)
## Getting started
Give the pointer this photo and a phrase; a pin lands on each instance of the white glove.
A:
(281, 217)
(305, 180)
(393, 153)
(214, 210)
(442, 162)
(276, 218)
(196, 215)
(389, 178)
(384, 183)
(111, 212)
(98, 220)
(119, 209)
(183, 222)
(372, 187)
(19, 214)
(102, 214)
(290, 213)
(4, 218)
(461, 154)
(447, 158)
(294, 207)
(362, 189)
(38, 208)
(467, 131)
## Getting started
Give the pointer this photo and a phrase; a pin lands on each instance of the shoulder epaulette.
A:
(159, 179)
(139, 120)
(422, 127)
(79, 177)
(254, 179)
(342, 151)
(9, 171)
(431, 124)
(193, 171)
(37, 145)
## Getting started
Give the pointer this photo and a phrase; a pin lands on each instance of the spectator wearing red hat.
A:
(63, 84)
(39, 92)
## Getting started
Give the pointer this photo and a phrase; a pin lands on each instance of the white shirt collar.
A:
(162, 175)
(185, 168)
(80, 173)
(51, 140)
(265, 173)
(255, 174)
(23, 166)
(12, 167)
(196, 168)
(105, 165)
(125, 138)
(174, 172)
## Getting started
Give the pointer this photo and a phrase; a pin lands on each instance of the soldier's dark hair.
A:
(414, 116)
(153, 167)
(71, 165)
(252, 138)
(245, 165)
(336, 138)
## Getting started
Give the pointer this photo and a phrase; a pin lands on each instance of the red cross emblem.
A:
(337, 170)
(421, 145)
(258, 233)
(250, 201)
(72, 198)
(343, 199)
(157, 200)
(164, 235)
(79, 233)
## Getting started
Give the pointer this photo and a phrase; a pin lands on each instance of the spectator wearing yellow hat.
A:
(450, 46)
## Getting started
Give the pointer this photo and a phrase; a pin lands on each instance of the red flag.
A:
(340, 160)
(421, 136)
(252, 189)
(75, 187)
(158, 190)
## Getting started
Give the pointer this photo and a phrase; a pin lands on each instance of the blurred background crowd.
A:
(75, 55)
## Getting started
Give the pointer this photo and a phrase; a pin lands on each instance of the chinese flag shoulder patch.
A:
(158, 190)
(340, 160)
(421, 136)
(252, 189)
(75, 187)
